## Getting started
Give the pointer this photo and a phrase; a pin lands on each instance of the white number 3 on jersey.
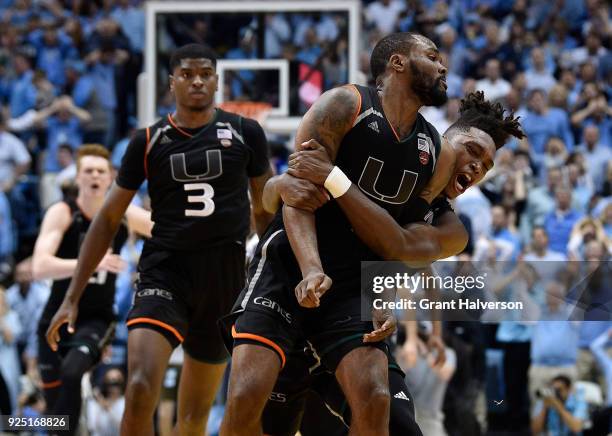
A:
(205, 199)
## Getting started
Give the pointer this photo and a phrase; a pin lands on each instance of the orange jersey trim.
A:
(261, 339)
(157, 323)
(177, 127)
(51, 385)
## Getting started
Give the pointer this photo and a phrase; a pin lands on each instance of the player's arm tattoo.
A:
(327, 121)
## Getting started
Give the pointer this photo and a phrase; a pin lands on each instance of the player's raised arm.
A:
(327, 121)
(45, 264)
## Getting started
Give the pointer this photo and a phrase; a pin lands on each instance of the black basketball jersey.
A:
(388, 169)
(197, 179)
(99, 295)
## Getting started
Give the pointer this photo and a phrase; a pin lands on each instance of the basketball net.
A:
(259, 111)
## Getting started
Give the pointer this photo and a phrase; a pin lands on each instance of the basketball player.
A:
(389, 150)
(199, 163)
(55, 257)
(284, 410)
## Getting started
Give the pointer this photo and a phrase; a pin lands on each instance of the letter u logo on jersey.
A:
(212, 163)
(369, 178)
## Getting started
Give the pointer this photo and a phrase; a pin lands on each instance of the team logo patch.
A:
(226, 143)
(424, 157)
(224, 134)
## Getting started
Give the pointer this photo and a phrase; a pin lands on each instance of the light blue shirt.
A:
(132, 22)
(28, 309)
(23, 95)
(597, 161)
(7, 236)
(575, 405)
(559, 226)
(555, 339)
(540, 128)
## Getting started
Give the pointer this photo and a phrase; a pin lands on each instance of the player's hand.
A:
(112, 263)
(384, 326)
(310, 290)
(67, 313)
(301, 194)
(311, 163)
(436, 346)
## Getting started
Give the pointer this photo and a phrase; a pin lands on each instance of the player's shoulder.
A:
(144, 135)
(59, 214)
(349, 94)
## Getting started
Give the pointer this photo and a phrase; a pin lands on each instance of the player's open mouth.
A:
(462, 182)
(95, 186)
(443, 82)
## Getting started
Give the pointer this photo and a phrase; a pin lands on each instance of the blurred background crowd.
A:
(68, 74)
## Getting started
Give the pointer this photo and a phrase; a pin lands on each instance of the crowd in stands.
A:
(68, 71)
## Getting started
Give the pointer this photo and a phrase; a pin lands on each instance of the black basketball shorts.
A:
(183, 294)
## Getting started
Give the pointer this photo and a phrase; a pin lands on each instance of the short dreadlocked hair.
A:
(399, 42)
(192, 51)
(477, 112)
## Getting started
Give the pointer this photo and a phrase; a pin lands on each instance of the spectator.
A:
(14, 158)
(53, 48)
(427, 382)
(560, 411)
(104, 411)
(539, 76)
(383, 14)
(597, 112)
(554, 342)
(27, 299)
(585, 230)
(542, 123)
(591, 52)
(10, 329)
(493, 85)
(277, 34)
(591, 297)
(560, 222)
(596, 153)
(581, 186)
(7, 238)
(546, 262)
(599, 347)
(243, 82)
(63, 127)
(103, 64)
(88, 96)
(132, 22)
(540, 201)
(556, 154)
(502, 240)
(23, 92)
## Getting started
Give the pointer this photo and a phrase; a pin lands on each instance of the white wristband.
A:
(337, 183)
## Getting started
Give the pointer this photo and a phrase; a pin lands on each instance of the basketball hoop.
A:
(259, 111)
